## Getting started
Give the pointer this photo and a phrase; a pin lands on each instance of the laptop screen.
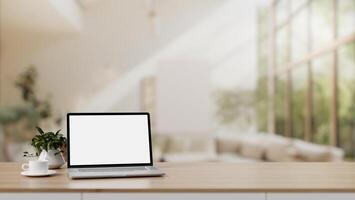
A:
(108, 139)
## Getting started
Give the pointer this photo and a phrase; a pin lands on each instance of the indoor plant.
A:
(18, 121)
(49, 146)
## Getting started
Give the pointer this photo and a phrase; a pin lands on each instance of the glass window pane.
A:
(346, 17)
(263, 22)
(263, 63)
(281, 47)
(263, 41)
(263, 57)
(321, 23)
(321, 98)
(280, 103)
(261, 103)
(299, 40)
(346, 100)
(262, 84)
(281, 11)
(299, 83)
(296, 4)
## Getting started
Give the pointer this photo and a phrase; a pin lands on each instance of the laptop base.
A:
(114, 172)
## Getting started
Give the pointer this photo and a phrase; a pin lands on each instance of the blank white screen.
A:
(108, 139)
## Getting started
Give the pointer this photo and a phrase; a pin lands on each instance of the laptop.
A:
(104, 145)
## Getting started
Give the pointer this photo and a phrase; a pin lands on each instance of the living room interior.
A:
(172, 99)
(224, 81)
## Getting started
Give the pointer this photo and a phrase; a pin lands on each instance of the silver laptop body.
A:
(107, 145)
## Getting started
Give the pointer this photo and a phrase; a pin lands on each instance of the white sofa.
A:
(234, 147)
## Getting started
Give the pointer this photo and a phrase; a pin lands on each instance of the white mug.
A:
(36, 166)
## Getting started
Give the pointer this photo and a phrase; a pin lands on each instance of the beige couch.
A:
(233, 147)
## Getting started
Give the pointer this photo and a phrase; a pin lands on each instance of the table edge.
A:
(264, 190)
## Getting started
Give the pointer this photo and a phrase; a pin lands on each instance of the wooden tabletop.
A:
(198, 177)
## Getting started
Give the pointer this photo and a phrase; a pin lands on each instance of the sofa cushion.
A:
(228, 143)
(253, 146)
(189, 157)
(337, 154)
(203, 144)
(278, 148)
(177, 144)
(160, 141)
(190, 143)
(315, 152)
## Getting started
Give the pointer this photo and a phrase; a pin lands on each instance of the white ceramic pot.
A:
(54, 157)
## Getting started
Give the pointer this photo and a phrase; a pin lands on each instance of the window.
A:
(346, 102)
(299, 84)
(312, 45)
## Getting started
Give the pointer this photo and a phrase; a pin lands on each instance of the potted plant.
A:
(18, 121)
(49, 146)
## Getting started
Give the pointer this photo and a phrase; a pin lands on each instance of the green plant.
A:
(47, 141)
(33, 108)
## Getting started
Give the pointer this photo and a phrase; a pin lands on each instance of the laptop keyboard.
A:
(112, 169)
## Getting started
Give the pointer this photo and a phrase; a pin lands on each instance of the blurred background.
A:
(224, 80)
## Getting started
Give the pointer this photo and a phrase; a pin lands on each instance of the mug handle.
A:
(25, 166)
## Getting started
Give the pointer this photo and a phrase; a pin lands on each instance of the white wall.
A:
(183, 97)
(100, 68)
(225, 40)
(116, 36)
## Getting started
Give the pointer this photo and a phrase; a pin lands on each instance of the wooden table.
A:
(193, 181)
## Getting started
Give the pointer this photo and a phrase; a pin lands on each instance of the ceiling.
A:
(53, 16)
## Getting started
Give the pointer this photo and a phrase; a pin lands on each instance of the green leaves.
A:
(48, 140)
(56, 133)
(40, 130)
